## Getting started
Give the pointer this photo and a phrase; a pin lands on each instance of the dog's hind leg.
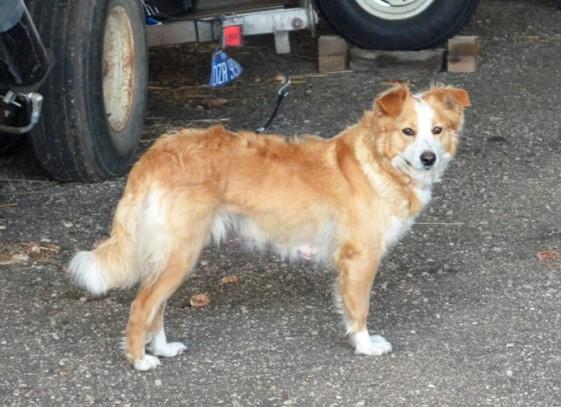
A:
(148, 306)
(357, 270)
(159, 345)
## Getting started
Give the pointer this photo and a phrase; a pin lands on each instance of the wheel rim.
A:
(118, 68)
(394, 9)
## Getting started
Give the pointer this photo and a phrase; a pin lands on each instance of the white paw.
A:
(147, 363)
(169, 349)
(374, 345)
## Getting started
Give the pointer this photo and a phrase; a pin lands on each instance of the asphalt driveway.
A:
(470, 299)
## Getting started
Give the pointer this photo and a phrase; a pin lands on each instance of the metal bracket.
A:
(282, 42)
(36, 102)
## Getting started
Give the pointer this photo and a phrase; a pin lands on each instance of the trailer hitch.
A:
(31, 102)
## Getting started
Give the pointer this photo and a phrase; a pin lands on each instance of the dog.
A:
(343, 201)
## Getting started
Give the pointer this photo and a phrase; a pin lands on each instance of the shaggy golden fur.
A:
(343, 201)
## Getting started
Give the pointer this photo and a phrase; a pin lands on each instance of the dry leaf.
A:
(217, 102)
(199, 300)
(20, 257)
(49, 248)
(548, 255)
(231, 279)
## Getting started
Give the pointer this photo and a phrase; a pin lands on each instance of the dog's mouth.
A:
(424, 167)
(404, 164)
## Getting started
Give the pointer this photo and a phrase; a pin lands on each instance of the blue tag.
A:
(223, 70)
(152, 21)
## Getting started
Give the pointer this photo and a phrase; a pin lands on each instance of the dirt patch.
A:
(28, 252)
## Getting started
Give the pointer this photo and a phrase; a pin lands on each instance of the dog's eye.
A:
(436, 130)
(408, 131)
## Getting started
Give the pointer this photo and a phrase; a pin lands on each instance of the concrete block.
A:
(466, 64)
(332, 45)
(363, 60)
(464, 45)
(332, 63)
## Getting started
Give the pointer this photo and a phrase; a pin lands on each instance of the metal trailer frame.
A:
(277, 21)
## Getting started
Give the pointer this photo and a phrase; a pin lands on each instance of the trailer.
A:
(74, 73)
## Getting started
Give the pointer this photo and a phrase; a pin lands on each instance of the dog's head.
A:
(418, 133)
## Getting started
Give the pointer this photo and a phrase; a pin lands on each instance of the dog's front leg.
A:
(357, 267)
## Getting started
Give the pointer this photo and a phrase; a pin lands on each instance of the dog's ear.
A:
(451, 97)
(391, 102)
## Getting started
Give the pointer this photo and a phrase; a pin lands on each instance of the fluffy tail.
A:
(111, 264)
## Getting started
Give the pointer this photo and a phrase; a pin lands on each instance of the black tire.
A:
(75, 139)
(8, 142)
(439, 21)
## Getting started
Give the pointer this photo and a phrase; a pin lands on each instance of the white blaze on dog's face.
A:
(419, 133)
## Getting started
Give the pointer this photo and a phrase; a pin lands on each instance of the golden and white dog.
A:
(344, 201)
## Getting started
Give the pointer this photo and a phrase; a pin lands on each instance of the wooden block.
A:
(363, 60)
(462, 64)
(464, 45)
(332, 45)
(332, 63)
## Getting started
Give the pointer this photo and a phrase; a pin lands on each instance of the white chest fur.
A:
(398, 227)
(423, 194)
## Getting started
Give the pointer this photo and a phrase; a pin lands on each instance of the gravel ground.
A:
(472, 311)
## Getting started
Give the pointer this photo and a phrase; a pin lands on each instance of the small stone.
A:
(158, 382)
(67, 224)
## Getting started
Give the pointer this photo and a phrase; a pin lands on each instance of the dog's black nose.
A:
(428, 158)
